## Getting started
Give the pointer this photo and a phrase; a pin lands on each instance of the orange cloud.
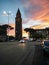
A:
(37, 9)
(41, 26)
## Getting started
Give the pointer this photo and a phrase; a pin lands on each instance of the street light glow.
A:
(7, 13)
(4, 13)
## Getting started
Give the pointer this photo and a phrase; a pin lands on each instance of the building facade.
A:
(18, 26)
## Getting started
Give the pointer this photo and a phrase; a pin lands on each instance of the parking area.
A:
(16, 53)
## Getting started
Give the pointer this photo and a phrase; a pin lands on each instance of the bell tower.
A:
(18, 26)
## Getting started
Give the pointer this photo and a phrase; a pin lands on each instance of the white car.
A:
(30, 39)
(22, 41)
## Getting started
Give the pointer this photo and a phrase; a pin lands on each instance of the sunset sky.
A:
(34, 12)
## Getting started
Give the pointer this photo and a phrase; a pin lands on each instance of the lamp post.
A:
(7, 14)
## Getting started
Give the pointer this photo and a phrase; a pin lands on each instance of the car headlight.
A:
(42, 42)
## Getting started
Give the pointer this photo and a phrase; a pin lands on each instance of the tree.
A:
(3, 31)
(31, 31)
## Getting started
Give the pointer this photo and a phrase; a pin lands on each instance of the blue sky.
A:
(10, 5)
(34, 12)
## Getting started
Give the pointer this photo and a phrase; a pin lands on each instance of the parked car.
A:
(30, 39)
(46, 47)
(38, 40)
(22, 41)
(12, 40)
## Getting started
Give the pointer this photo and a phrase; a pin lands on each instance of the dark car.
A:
(46, 47)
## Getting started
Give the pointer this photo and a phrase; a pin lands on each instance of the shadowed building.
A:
(18, 26)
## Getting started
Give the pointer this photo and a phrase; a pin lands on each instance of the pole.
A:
(7, 14)
(8, 26)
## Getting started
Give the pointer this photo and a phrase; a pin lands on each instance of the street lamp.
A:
(7, 14)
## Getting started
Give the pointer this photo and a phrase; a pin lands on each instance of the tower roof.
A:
(18, 12)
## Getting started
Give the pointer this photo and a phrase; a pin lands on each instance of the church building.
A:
(18, 26)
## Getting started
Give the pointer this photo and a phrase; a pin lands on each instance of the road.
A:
(15, 53)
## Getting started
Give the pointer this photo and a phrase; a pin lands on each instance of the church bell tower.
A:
(18, 26)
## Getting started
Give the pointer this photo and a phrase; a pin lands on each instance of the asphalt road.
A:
(15, 53)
